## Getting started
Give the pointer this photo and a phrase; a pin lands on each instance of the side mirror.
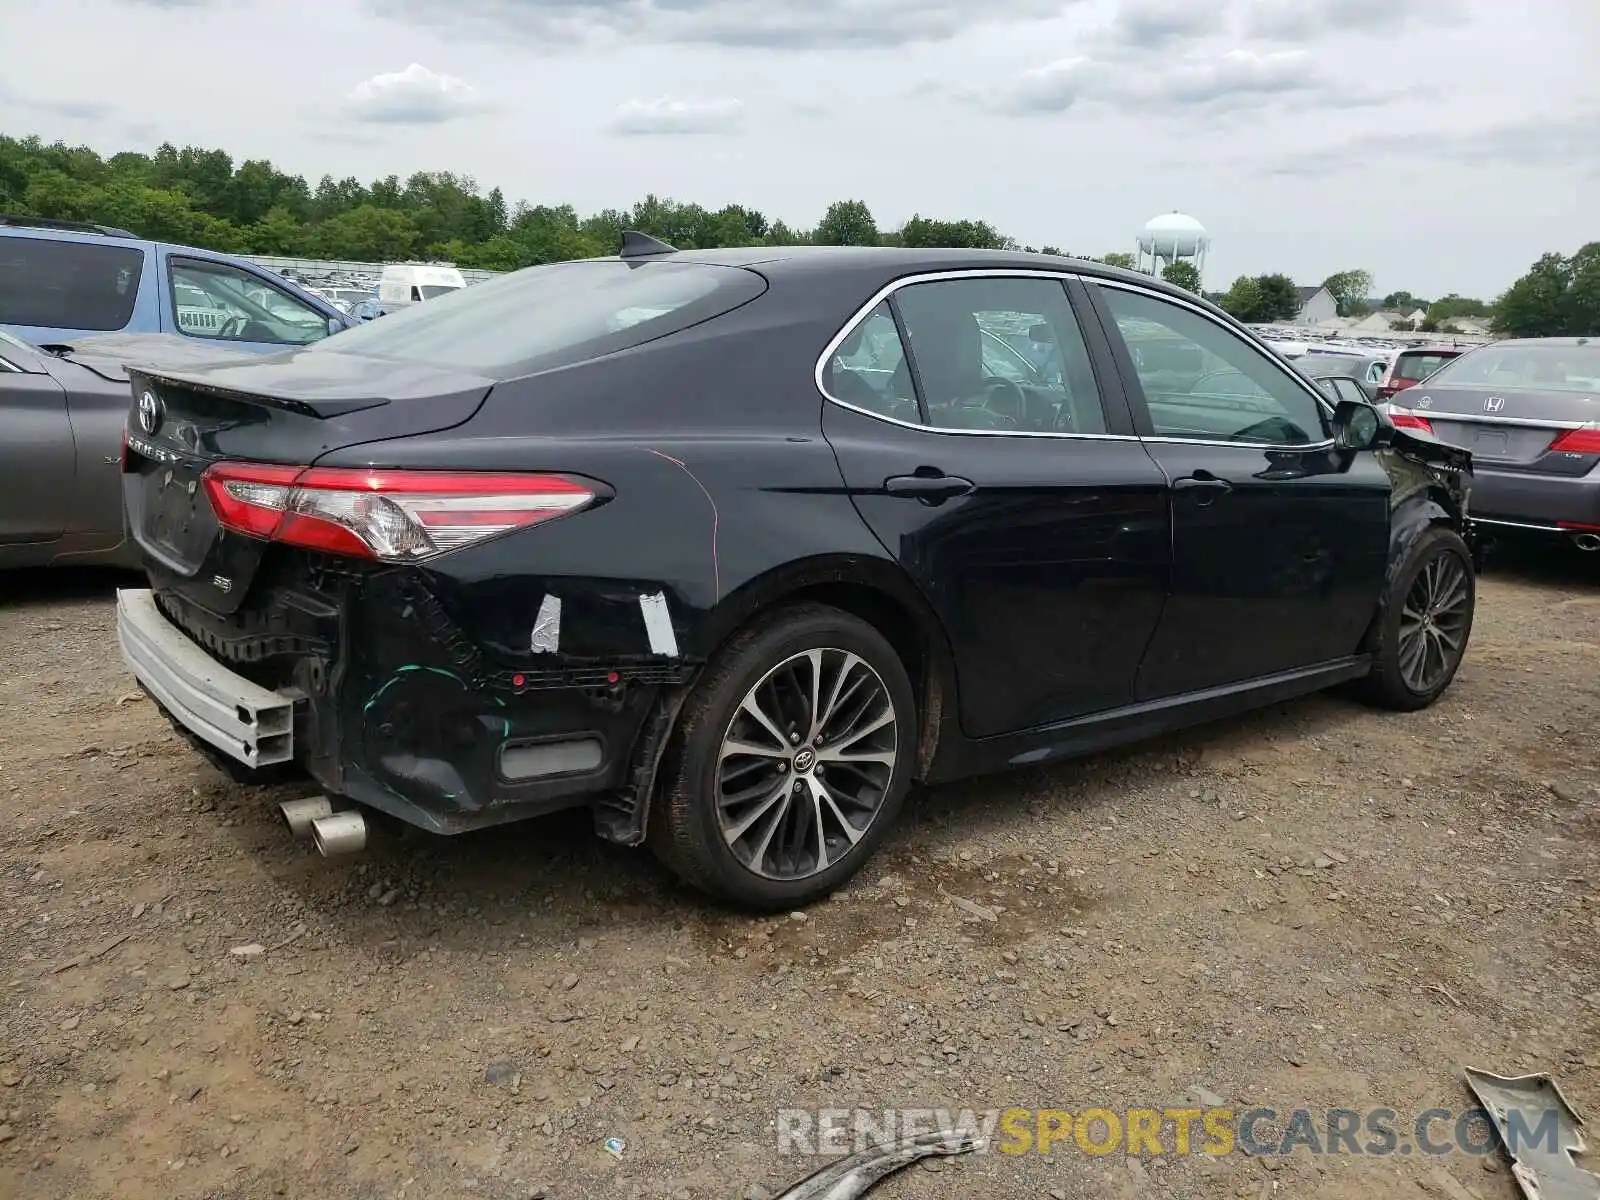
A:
(1356, 426)
(335, 325)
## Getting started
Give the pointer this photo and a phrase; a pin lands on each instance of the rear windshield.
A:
(68, 285)
(544, 317)
(1548, 368)
(1417, 367)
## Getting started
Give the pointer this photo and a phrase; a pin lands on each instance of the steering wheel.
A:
(1005, 399)
(1210, 375)
(233, 327)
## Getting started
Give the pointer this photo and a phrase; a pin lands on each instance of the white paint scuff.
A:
(658, 624)
(547, 626)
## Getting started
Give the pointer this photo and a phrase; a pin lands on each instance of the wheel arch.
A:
(877, 592)
(1411, 518)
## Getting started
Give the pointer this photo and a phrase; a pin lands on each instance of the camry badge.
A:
(1494, 404)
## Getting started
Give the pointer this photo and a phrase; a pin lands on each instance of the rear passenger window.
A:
(68, 285)
(1202, 382)
(868, 371)
(1001, 354)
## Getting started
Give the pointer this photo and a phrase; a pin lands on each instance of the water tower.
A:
(1172, 237)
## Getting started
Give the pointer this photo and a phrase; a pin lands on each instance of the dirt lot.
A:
(1315, 906)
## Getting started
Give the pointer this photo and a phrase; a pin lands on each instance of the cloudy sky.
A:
(1441, 144)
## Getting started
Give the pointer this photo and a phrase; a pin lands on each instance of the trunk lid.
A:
(288, 409)
(1506, 427)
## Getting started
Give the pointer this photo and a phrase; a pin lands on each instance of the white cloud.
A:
(1309, 20)
(770, 24)
(667, 115)
(1145, 107)
(1199, 84)
(415, 96)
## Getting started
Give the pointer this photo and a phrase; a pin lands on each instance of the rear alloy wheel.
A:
(792, 760)
(1426, 623)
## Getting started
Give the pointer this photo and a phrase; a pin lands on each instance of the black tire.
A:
(684, 829)
(1388, 686)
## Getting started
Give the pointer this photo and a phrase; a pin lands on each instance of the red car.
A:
(1413, 366)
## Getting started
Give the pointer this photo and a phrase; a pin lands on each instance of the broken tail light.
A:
(392, 516)
(1407, 420)
(1578, 441)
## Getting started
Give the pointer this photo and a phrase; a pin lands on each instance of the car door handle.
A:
(929, 488)
(1201, 481)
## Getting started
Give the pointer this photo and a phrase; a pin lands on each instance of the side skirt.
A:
(959, 757)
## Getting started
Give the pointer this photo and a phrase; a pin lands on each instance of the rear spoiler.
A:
(320, 410)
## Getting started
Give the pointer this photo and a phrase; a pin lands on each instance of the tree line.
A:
(200, 197)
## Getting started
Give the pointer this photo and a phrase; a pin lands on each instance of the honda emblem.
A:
(1494, 404)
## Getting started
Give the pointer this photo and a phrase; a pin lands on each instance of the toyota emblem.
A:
(150, 412)
(1494, 404)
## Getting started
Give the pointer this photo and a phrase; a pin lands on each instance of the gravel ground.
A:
(1318, 905)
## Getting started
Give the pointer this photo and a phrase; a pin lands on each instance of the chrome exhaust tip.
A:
(298, 814)
(341, 833)
(1587, 542)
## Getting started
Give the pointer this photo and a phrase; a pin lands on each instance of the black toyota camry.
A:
(733, 546)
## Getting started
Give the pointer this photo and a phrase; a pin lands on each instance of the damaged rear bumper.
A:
(379, 688)
(249, 723)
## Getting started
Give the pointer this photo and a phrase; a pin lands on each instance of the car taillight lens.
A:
(1402, 420)
(393, 516)
(1578, 441)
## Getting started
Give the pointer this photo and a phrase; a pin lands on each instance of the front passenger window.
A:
(215, 300)
(1203, 382)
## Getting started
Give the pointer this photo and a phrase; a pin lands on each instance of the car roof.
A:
(1333, 364)
(86, 236)
(24, 221)
(895, 261)
(1548, 341)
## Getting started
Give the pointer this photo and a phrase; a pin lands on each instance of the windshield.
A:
(1417, 367)
(1549, 368)
(7, 340)
(549, 316)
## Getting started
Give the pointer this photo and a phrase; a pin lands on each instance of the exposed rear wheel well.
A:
(903, 630)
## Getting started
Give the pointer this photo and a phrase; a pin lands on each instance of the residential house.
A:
(1316, 305)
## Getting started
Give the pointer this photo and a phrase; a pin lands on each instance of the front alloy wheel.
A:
(791, 758)
(1433, 623)
(1426, 619)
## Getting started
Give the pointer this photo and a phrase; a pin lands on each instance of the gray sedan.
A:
(1529, 410)
(1363, 370)
(62, 413)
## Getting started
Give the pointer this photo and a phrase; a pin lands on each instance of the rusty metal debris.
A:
(1540, 1131)
(859, 1173)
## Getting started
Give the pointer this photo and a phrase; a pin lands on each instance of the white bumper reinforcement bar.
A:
(245, 721)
